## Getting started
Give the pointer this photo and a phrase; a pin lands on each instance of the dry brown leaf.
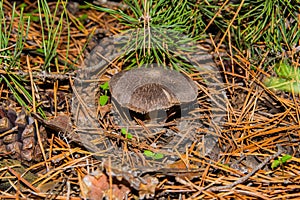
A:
(96, 186)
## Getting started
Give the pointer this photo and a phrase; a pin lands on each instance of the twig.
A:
(43, 75)
(243, 179)
(20, 178)
(110, 4)
(34, 111)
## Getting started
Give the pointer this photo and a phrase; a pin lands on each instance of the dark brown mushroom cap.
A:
(148, 89)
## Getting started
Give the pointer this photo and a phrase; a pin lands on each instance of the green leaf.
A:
(283, 84)
(253, 68)
(275, 164)
(158, 156)
(104, 86)
(103, 100)
(40, 50)
(129, 136)
(83, 17)
(23, 5)
(32, 17)
(149, 153)
(285, 70)
(285, 158)
(125, 132)
(84, 6)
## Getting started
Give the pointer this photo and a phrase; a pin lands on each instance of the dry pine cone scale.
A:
(18, 136)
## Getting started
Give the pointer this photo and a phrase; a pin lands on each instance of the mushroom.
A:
(144, 90)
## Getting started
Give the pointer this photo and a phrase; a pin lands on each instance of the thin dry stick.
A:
(230, 24)
(20, 178)
(55, 88)
(245, 178)
(249, 193)
(86, 109)
(110, 4)
(34, 110)
(221, 60)
(215, 16)
(110, 179)
(57, 197)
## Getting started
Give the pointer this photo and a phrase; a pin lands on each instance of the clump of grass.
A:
(159, 30)
(51, 30)
(11, 50)
(260, 27)
(273, 23)
(182, 16)
(13, 39)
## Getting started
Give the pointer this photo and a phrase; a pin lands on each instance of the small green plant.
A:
(103, 99)
(280, 161)
(126, 133)
(154, 156)
(287, 80)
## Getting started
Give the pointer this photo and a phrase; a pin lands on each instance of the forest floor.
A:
(256, 154)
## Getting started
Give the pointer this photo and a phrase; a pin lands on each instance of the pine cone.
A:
(18, 136)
